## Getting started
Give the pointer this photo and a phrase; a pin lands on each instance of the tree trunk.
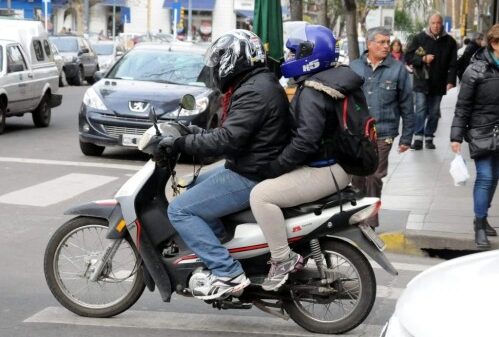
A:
(351, 28)
(296, 8)
(321, 12)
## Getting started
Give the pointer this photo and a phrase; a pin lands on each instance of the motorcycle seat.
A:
(246, 216)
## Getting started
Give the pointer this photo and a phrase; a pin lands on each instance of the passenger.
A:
(305, 170)
(254, 131)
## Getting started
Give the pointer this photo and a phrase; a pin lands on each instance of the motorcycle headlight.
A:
(146, 138)
(92, 100)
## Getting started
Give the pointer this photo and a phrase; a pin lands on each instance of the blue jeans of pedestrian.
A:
(487, 174)
(427, 108)
(195, 215)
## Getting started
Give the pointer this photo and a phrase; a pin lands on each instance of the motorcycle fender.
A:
(104, 209)
(354, 235)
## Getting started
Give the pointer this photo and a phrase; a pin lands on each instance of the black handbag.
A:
(483, 140)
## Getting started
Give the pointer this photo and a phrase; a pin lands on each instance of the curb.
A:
(397, 242)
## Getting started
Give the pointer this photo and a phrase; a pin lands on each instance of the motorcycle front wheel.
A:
(341, 305)
(70, 258)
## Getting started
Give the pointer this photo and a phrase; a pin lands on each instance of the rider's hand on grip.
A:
(167, 145)
(194, 129)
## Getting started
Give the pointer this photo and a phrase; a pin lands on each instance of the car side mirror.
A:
(14, 68)
(83, 51)
(99, 75)
(188, 102)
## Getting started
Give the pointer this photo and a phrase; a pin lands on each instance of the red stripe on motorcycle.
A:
(237, 250)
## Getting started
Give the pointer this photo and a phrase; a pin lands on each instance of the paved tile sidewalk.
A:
(440, 215)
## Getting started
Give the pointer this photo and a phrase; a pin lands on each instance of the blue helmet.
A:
(314, 48)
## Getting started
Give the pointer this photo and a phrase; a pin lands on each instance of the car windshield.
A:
(159, 66)
(65, 44)
(103, 49)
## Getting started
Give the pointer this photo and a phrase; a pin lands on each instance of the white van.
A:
(29, 79)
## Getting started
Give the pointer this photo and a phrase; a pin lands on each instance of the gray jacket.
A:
(388, 91)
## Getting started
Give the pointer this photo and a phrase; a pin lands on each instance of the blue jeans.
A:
(195, 215)
(427, 107)
(487, 174)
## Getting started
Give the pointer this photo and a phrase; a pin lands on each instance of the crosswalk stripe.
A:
(189, 322)
(70, 163)
(56, 190)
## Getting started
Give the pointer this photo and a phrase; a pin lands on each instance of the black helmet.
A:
(233, 54)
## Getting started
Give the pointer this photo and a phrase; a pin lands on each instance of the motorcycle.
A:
(99, 263)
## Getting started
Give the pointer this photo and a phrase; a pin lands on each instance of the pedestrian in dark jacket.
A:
(388, 91)
(304, 170)
(475, 119)
(463, 62)
(252, 135)
(432, 54)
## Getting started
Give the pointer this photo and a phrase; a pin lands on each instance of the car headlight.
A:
(92, 100)
(201, 105)
(146, 138)
(394, 328)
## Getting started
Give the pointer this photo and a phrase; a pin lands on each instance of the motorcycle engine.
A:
(199, 278)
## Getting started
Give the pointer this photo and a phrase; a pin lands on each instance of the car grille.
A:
(116, 131)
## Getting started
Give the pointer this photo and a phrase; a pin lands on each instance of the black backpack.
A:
(354, 141)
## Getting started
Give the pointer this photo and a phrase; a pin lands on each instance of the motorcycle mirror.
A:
(154, 118)
(188, 102)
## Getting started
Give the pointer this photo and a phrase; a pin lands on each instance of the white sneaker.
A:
(218, 287)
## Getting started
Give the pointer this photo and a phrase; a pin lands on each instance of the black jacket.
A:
(478, 101)
(465, 59)
(255, 131)
(442, 70)
(314, 117)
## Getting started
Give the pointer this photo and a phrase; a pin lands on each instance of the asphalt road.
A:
(35, 168)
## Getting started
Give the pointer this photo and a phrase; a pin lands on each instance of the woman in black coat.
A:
(476, 119)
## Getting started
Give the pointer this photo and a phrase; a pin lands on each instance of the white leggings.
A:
(305, 184)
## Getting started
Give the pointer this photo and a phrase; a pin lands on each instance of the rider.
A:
(254, 131)
(304, 170)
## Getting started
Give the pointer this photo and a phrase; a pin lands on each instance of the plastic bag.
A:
(459, 171)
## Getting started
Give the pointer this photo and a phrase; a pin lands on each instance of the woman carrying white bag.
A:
(476, 119)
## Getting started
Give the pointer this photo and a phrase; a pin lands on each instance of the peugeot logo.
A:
(137, 106)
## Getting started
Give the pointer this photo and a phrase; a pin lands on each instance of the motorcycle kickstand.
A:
(111, 249)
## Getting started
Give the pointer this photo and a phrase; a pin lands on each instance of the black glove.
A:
(194, 129)
(169, 145)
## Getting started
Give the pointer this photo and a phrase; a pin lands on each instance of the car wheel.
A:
(90, 149)
(78, 79)
(42, 113)
(91, 79)
(3, 113)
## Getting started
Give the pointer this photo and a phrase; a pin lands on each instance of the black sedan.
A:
(114, 111)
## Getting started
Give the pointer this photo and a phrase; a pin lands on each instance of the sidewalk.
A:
(421, 207)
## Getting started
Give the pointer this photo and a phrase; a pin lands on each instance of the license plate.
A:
(371, 235)
(130, 140)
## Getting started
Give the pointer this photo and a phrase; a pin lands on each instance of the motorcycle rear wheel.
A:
(356, 290)
(69, 258)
